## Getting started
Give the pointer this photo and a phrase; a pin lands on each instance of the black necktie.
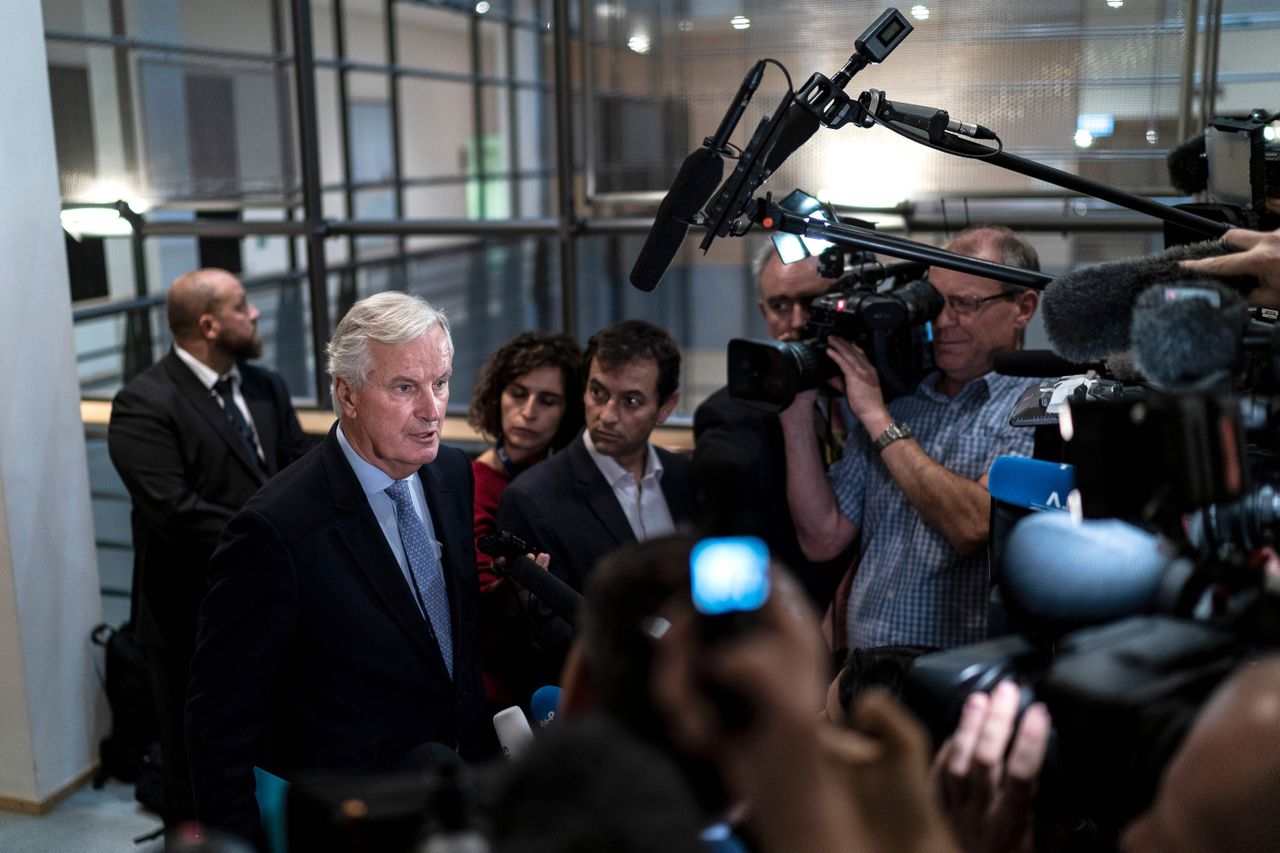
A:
(224, 388)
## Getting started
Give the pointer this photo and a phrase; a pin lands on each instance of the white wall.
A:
(49, 699)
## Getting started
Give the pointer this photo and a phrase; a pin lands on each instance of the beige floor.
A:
(88, 821)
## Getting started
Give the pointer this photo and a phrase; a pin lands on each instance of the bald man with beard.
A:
(193, 437)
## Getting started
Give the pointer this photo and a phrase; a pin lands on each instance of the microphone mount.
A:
(933, 127)
(775, 217)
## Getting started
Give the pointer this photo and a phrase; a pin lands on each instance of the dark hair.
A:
(627, 588)
(586, 786)
(885, 667)
(635, 340)
(526, 352)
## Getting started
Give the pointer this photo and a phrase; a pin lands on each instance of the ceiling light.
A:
(740, 22)
(482, 7)
(1083, 138)
(920, 12)
(1115, 4)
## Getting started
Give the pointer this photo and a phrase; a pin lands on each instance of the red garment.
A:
(510, 663)
(489, 487)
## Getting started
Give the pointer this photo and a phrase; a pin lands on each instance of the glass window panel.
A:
(433, 38)
(492, 36)
(436, 127)
(366, 33)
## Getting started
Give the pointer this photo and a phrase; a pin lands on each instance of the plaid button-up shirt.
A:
(911, 586)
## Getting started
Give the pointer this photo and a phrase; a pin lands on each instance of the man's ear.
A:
(668, 407)
(208, 326)
(344, 394)
(1026, 303)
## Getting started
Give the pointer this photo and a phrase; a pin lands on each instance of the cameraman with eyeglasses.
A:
(912, 480)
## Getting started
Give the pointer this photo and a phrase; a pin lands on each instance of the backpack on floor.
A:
(134, 725)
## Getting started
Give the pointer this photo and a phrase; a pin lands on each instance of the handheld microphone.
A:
(543, 705)
(513, 731)
(694, 184)
(1186, 333)
(562, 599)
(1058, 574)
(1088, 312)
(1031, 483)
(933, 121)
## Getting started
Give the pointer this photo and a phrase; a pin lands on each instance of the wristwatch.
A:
(892, 433)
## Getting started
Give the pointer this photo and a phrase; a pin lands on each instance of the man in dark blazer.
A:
(739, 460)
(610, 486)
(189, 463)
(340, 630)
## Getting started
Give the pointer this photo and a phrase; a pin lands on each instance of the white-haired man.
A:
(339, 633)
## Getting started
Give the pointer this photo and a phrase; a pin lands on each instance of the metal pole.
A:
(393, 101)
(284, 131)
(564, 169)
(347, 280)
(309, 149)
(1187, 91)
(586, 20)
(477, 115)
(513, 119)
(1209, 77)
(138, 349)
(137, 329)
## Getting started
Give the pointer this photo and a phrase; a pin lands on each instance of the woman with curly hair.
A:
(528, 400)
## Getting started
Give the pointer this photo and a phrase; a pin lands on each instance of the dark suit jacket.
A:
(312, 655)
(565, 507)
(188, 472)
(739, 465)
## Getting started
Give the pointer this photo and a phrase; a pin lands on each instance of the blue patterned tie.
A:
(424, 566)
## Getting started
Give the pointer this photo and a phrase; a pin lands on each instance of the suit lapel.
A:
(598, 495)
(368, 551)
(202, 400)
(676, 489)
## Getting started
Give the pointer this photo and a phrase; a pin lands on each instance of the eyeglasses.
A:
(784, 305)
(966, 305)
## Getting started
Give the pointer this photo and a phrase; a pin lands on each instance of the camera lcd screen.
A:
(1229, 155)
(729, 574)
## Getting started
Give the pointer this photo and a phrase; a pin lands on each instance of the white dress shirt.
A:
(643, 503)
(375, 483)
(208, 376)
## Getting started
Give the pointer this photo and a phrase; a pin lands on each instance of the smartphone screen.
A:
(729, 575)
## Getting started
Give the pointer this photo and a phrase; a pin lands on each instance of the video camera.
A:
(890, 325)
(1236, 168)
(1146, 591)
